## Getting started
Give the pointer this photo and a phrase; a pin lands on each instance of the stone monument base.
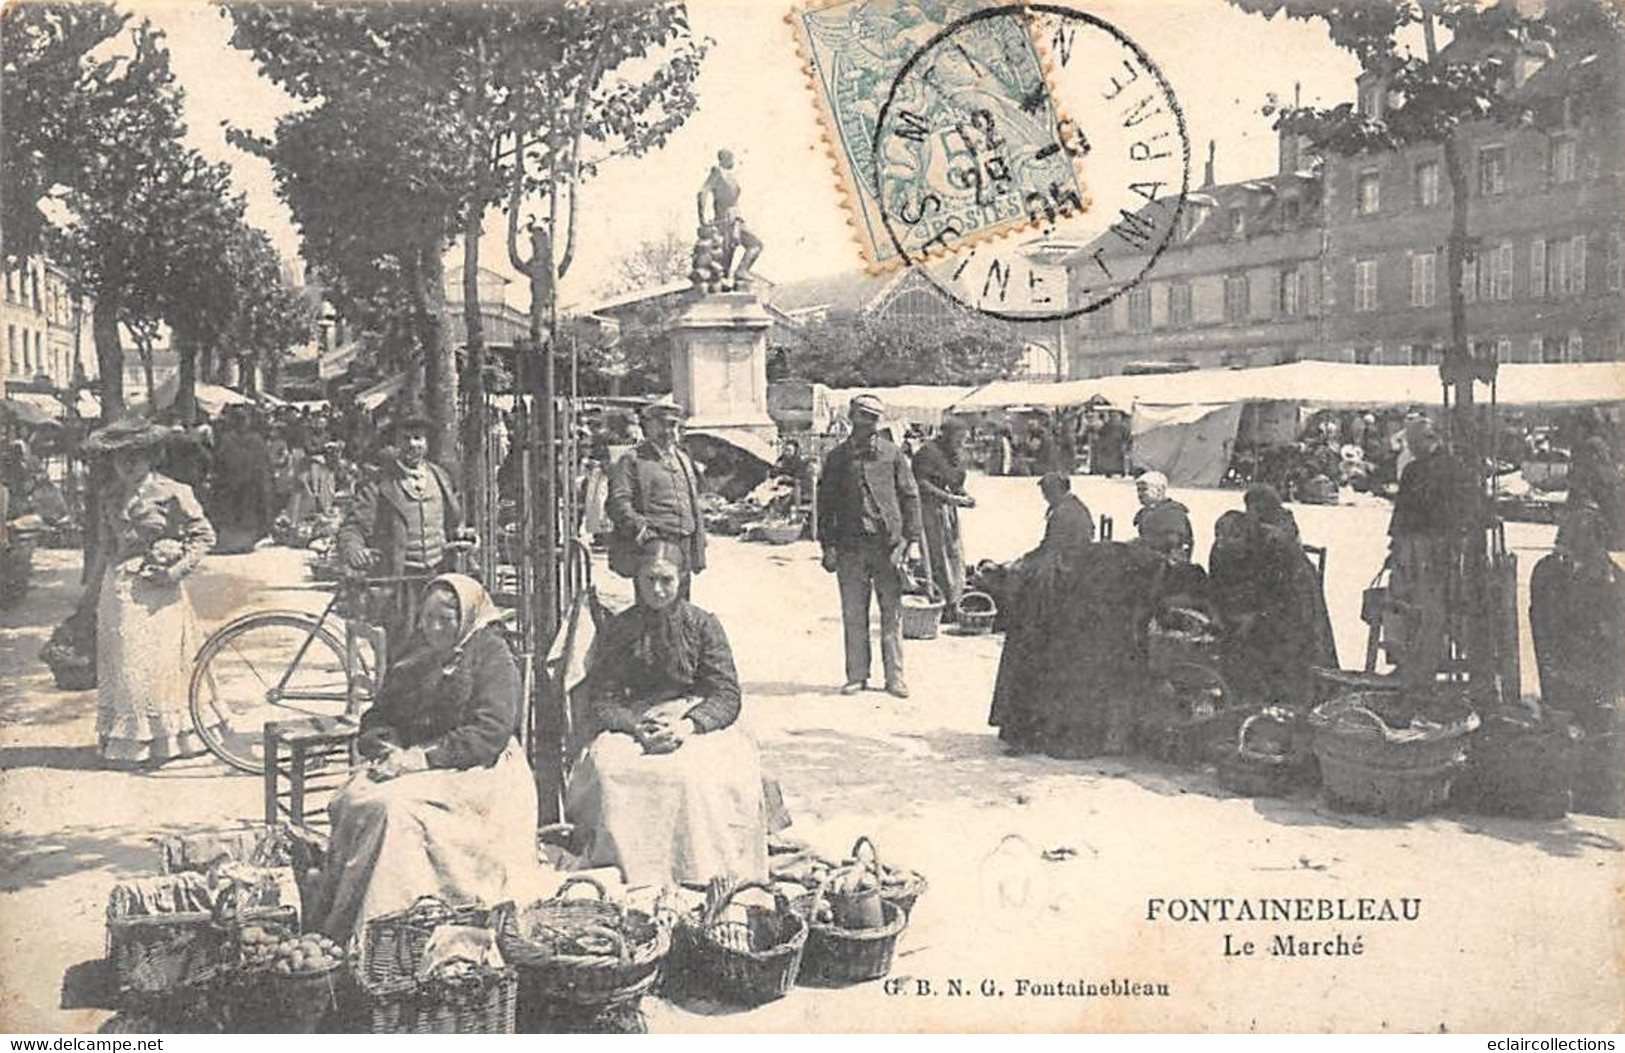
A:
(719, 367)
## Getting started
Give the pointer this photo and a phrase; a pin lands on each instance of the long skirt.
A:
(146, 635)
(465, 835)
(689, 815)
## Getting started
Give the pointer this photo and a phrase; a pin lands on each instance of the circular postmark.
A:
(993, 125)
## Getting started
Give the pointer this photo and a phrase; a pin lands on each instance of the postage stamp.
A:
(975, 148)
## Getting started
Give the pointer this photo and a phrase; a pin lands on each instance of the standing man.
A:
(654, 494)
(403, 523)
(868, 520)
(1432, 512)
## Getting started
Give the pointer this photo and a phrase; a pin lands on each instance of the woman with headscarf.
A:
(1263, 503)
(1161, 522)
(670, 789)
(151, 534)
(447, 804)
(940, 472)
(1267, 599)
(1577, 618)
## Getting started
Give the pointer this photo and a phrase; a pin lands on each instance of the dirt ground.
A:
(1040, 870)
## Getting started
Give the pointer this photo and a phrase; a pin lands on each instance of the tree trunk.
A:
(186, 381)
(439, 360)
(109, 353)
(143, 346)
(248, 380)
(474, 435)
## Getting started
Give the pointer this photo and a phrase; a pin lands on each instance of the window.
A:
(1291, 299)
(1100, 320)
(11, 284)
(1362, 356)
(1610, 262)
(1371, 100)
(11, 350)
(1368, 193)
(1139, 309)
(1495, 274)
(1424, 267)
(1238, 222)
(1576, 349)
(1503, 349)
(1365, 285)
(1419, 355)
(1235, 298)
(1537, 349)
(1564, 154)
(1492, 170)
(1537, 268)
(1427, 184)
(35, 296)
(1566, 266)
(1469, 279)
(1552, 349)
(1290, 211)
(1179, 303)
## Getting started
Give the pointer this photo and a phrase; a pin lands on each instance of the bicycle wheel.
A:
(246, 675)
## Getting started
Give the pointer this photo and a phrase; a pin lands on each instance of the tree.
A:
(1430, 97)
(651, 263)
(958, 347)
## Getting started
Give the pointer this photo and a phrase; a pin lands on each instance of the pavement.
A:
(1041, 871)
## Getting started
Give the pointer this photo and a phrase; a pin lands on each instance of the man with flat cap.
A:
(868, 520)
(402, 523)
(654, 495)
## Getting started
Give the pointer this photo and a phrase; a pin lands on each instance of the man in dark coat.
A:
(868, 520)
(654, 495)
(403, 524)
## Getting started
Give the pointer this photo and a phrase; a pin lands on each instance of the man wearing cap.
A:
(868, 519)
(654, 494)
(402, 522)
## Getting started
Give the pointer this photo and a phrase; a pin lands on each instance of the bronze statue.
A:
(724, 234)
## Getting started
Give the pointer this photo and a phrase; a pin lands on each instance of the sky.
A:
(1220, 62)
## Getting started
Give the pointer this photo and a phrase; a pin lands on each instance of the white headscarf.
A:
(475, 608)
(1154, 485)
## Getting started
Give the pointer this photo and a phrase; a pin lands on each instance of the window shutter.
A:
(1537, 268)
(1578, 266)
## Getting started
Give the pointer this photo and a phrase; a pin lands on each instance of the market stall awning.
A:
(905, 404)
(381, 392)
(212, 399)
(30, 408)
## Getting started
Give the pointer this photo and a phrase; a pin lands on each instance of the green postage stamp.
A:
(939, 122)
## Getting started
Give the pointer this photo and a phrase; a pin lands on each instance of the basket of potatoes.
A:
(289, 981)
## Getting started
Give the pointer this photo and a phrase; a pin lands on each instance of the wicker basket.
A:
(1367, 766)
(900, 887)
(159, 954)
(837, 956)
(1250, 772)
(922, 616)
(740, 962)
(779, 533)
(393, 944)
(561, 967)
(1333, 683)
(275, 1003)
(481, 1003)
(76, 676)
(1519, 768)
(976, 612)
(1168, 649)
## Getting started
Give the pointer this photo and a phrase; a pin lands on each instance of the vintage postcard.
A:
(847, 516)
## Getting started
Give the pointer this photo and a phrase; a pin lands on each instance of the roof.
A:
(851, 290)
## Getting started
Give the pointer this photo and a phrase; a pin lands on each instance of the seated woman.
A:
(447, 806)
(1268, 601)
(670, 790)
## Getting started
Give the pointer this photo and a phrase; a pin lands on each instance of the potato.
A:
(253, 934)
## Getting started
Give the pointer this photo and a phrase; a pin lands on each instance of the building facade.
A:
(1345, 259)
(47, 328)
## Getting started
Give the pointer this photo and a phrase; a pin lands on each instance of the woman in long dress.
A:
(152, 534)
(447, 805)
(670, 790)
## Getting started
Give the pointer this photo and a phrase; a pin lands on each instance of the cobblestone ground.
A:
(1519, 920)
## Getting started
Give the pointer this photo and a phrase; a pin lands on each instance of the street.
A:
(1040, 870)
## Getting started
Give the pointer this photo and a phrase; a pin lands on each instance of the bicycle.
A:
(332, 673)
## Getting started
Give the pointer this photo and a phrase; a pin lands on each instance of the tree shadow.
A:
(56, 758)
(35, 860)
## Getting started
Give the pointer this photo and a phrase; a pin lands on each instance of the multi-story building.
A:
(1345, 258)
(47, 328)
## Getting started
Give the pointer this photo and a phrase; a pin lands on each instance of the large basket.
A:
(159, 954)
(1367, 766)
(588, 966)
(74, 676)
(392, 945)
(1168, 649)
(901, 887)
(481, 1003)
(740, 962)
(780, 533)
(975, 613)
(922, 616)
(298, 1004)
(837, 956)
(1519, 768)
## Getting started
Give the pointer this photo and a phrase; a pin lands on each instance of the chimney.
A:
(1207, 172)
(1290, 144)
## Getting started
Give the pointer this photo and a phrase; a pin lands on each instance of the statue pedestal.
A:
(719, 364)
